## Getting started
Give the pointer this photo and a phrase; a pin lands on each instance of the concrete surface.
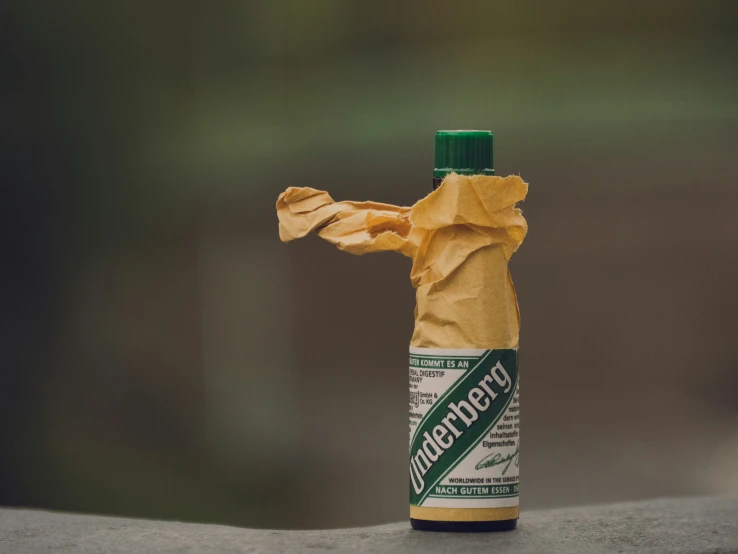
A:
(697, 525)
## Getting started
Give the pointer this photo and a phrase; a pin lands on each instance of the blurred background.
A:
(165, 356)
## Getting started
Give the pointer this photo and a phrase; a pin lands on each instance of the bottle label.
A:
(464, 428)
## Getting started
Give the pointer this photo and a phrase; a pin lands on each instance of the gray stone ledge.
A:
(695, 526)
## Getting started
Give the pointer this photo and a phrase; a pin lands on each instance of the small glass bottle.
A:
(467, 153)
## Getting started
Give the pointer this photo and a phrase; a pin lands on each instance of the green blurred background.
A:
(164, 355)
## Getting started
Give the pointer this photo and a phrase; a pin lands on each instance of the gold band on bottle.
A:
(464, 514)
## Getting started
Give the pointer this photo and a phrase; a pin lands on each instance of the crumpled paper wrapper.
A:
(459, 237)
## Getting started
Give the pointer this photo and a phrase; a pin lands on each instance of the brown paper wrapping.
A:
(459, 237)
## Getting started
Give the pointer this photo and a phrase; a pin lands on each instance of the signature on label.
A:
(496, 459)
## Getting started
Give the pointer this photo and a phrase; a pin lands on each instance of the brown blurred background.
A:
(164, 355)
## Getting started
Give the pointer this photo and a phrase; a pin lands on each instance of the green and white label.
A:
(464, 428)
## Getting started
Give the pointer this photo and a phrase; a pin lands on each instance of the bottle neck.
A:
(440, 175)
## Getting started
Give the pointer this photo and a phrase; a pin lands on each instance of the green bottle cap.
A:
(464, 152)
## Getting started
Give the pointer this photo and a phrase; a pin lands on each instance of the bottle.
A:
(479, 488)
